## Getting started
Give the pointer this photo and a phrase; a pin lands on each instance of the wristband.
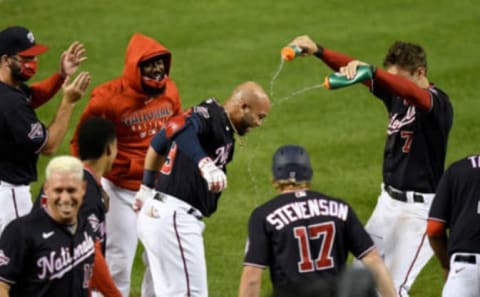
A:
(149, 177)
(319, 52)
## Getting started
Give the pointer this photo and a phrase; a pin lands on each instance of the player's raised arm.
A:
(72, 92)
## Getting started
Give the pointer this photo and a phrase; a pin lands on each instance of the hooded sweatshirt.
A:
(136, 115)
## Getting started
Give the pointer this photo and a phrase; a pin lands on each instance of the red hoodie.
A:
(136, 115)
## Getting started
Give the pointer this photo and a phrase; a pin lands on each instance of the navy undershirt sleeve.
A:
(188, 142)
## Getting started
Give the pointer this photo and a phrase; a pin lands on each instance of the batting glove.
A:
(214, 176)
(145, 193)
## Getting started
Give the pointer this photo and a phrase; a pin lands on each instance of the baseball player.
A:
(457, 207)
(138, 103)
(23, 135)
(420, 117)
(50, 252)
(194, 152)
(304, 237)
(97, 145)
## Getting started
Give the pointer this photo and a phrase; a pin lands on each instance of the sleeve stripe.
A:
(44, 142)
(254, 265)
(437, 219)
(7, 281)
(365, 252)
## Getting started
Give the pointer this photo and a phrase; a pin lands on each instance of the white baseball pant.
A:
(464, 276)
(171, 232)
(122, 240)
(398, 230)
(16, 202)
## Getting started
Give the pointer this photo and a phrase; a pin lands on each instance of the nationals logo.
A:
(396, 123)
(56, 264)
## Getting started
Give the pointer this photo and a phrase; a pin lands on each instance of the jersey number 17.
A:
(305, 235)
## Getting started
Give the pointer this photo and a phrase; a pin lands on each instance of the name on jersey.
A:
(56, 264)
(301, 210)
(396, 123)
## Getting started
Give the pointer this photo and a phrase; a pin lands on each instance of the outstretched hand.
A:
(308, 46)
(72, 58)
(72, 92)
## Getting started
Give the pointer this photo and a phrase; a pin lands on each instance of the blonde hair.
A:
(282, 185)
(64, 164)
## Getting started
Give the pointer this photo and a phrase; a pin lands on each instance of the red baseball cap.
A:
(18, 40)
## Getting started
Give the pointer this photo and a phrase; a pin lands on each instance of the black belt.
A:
(402, 196)
(465, 259)
(191, 211)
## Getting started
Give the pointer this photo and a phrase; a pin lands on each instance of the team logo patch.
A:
(94, 222)
(201, 110)
(4, 260)
(36, 131)
(31, 38)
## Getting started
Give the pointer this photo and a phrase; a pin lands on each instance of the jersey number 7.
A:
(323, 232)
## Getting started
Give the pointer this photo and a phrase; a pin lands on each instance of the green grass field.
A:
(217, 44)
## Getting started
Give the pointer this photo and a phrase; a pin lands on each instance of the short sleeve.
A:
(257, 247)
(441, 205)
(358, 239)
(13, 251)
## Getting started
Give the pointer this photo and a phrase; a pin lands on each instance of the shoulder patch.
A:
(202, 111)
(36, 131)
(94, 222)
(4, 260)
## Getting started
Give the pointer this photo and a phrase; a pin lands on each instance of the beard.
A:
(18, 74)
(242, 127)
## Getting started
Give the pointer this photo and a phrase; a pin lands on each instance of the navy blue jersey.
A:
(457, 204)
(180, 176)
(22, 135)
(416, 142)
(303, 236)
(93, 206)
(39, 257)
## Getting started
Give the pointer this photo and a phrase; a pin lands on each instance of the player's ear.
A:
(421, 71)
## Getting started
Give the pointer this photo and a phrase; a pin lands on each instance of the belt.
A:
(178, 203)
(402, 196)
(465, 259)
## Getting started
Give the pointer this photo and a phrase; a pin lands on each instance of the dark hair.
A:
(406, 55)
(94, 135)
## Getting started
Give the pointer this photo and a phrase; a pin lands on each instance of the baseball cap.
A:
(18, 40)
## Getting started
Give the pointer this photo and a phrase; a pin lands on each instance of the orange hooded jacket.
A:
(136, 115)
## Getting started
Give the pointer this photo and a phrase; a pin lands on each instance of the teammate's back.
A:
(304, 236)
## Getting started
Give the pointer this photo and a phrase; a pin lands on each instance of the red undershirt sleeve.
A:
(44, 90)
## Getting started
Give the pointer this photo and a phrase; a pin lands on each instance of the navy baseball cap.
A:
(18, 40)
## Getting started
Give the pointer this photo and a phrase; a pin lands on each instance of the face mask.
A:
(26, 70)
(153, 83)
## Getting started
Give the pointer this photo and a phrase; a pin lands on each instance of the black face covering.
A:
(153, 91)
